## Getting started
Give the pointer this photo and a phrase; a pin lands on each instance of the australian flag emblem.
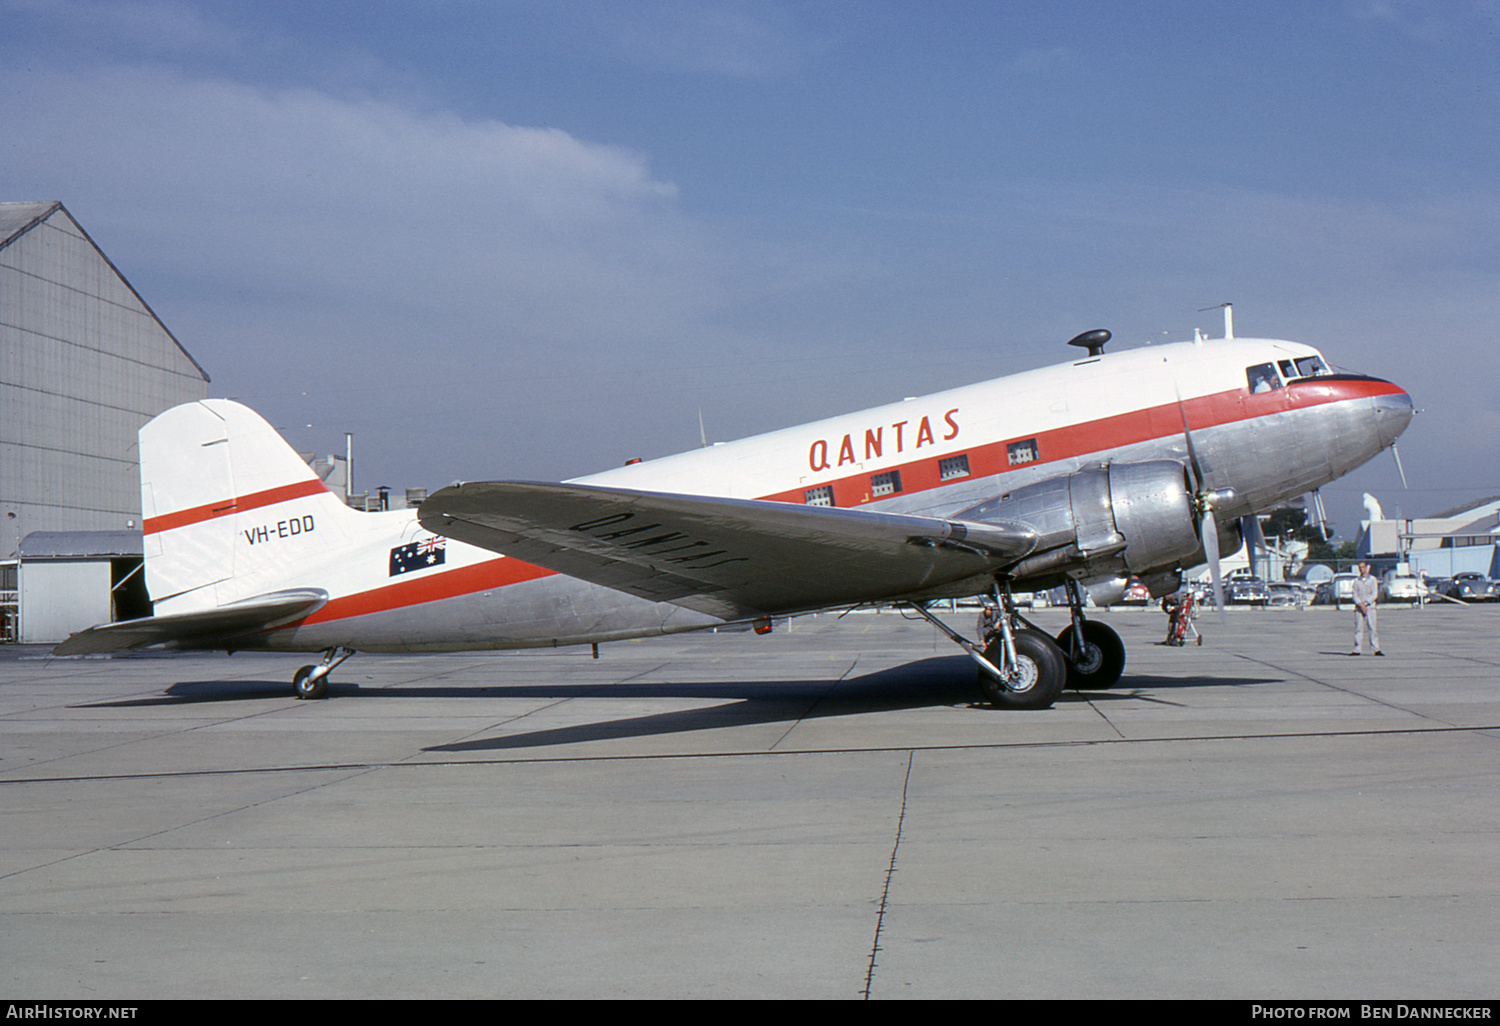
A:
(418, 555)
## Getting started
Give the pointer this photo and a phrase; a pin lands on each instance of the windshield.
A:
(1306, 367)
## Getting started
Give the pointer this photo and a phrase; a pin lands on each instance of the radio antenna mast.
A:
(1228, 317)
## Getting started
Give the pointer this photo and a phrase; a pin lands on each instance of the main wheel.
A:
(308, 686)
(1041, 672)
(1100, 663)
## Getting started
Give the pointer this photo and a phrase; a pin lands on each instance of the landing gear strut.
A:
(1094, 653)
(1018, 668)
(1039, 671)
(311, 682)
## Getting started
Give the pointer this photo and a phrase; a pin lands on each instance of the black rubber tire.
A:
(310, 687)
(1104, 657)
(1043, 673)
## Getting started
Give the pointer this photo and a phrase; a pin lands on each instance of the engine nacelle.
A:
(1126, 518)
(1107, 592)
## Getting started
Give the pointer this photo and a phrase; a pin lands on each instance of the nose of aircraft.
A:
(1393, 412)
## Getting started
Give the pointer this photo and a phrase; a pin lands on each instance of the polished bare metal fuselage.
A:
(1259, 451)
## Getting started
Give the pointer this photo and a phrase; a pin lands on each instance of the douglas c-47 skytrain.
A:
(1145, 462)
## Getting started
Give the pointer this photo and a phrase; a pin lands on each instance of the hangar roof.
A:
(81, 544)
(16, 219)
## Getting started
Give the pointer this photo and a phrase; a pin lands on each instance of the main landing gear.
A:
(1095, 653)
(1022, 667)
(312, 681)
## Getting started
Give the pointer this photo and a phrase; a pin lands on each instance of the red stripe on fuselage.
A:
(1075, 440)
(226, 507)
(987, 459)
(492, 573)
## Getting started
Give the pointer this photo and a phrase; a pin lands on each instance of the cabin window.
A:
(1017, 453)
(953, 466)
(1262, 378)
(888, 483)
(820, 496)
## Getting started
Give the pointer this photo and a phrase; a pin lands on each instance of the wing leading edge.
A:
(731, 558)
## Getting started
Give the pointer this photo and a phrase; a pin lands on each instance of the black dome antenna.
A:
(1093, 341)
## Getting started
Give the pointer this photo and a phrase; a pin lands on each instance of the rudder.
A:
(227, 506)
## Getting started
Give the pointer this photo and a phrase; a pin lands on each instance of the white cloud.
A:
(301, 192)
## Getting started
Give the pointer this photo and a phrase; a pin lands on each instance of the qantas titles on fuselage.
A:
(875, 441)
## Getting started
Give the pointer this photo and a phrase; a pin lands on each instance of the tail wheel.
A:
(310, 684)
(1040, 673)
(1101, 660)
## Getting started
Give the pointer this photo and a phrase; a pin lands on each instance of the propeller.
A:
(1323, 531)
(1205, 501)
(1255, 540)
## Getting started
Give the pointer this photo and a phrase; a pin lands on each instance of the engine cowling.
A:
(1124, 518)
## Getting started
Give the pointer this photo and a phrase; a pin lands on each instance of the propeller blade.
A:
(1204, 500)
(1323, 531)
(1192, 449)
(1255, 539)
(1397, 454)
(1210, 531)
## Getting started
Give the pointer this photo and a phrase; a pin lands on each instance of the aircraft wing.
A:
(732, 558)
(199, 629)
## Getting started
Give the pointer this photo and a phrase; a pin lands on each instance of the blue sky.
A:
(532, 240)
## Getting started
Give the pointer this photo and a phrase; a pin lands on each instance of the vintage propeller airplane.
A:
(1142, 462)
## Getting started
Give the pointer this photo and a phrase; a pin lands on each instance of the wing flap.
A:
(732, 558)
(206, 628)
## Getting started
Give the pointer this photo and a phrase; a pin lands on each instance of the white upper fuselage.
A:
(900, 434)
(934, 455)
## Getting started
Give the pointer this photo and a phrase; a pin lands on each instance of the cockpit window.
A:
(1310, 366)
(1262, 378)
(1295, 370)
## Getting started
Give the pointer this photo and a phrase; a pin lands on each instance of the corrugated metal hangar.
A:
(84, 362)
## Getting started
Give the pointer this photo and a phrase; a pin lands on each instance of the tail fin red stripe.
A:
(240, 504)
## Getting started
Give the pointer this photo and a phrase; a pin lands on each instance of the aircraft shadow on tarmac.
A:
(191, 691)
(941, 681)
(934, 682)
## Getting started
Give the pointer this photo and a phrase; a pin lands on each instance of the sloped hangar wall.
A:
(83, 364)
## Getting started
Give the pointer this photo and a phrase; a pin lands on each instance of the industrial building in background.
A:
(1464, 539)
(84, 362)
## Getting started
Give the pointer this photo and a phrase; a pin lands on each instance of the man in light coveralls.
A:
(1366, 590)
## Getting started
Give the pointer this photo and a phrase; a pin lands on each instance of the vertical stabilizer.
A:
(229, 510)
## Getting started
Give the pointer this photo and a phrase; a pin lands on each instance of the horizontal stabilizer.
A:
(208, 628)
(732, 558)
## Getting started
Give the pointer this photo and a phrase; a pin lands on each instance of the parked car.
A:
(1288, 593)
(1473, 587)
(1398, 587)
(1341, 590)
(1136, 594)
(1246, 590)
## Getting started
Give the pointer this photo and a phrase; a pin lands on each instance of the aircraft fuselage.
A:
(935, 455)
